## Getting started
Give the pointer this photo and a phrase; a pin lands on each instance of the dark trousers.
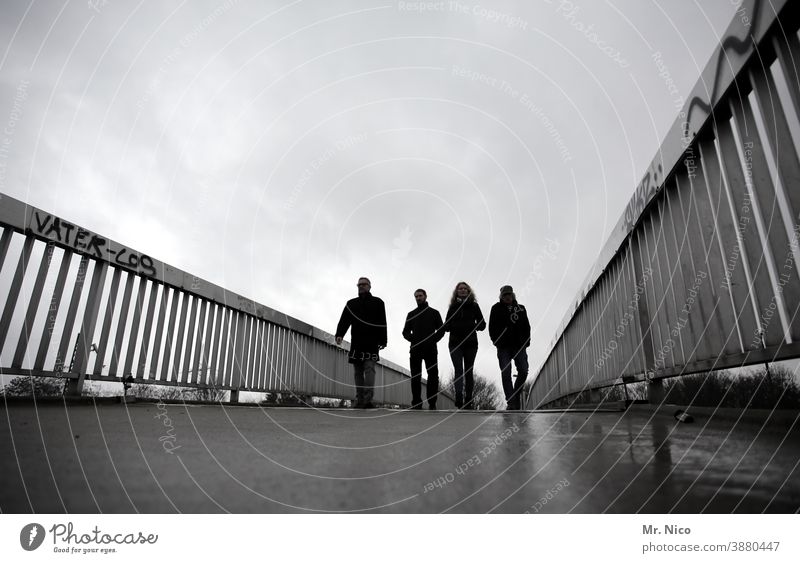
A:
(463, 363)
(364, 373)
(430, 357)
(512, 390)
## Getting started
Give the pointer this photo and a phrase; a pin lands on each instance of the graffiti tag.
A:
(73, 236)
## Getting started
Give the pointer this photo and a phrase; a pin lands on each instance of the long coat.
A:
(509, 326)
(463, 321)
(366, 314)
(422, 329)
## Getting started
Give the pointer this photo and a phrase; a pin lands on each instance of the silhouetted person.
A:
(510, 331)
(422, 330)
(366, 314)
(464, 319)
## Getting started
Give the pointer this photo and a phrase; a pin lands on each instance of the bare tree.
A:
(485, 394)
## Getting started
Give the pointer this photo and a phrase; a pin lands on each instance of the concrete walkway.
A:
(146, 457)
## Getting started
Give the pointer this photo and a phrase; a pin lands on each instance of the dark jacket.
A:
(422, 329)
(509, 326)
(366, 314)
(464, 319)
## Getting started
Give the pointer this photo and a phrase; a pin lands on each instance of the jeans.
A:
(520, 358)
(463, 362)
(364, 372)
(432, 366)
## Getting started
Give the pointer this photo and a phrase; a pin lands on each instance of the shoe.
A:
(368, 406)
(459, 404)
(417, 407)
(431, 406)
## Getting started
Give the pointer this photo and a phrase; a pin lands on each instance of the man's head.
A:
(364, 286)
(421, 296)
(507, 294)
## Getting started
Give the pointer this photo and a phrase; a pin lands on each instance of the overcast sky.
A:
(283, 149)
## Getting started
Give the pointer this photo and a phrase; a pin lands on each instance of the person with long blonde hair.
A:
(463, 321)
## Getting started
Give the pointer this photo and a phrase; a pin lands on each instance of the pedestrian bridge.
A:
(701, 273)
(167, 458)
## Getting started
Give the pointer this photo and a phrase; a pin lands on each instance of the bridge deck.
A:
(114, 458)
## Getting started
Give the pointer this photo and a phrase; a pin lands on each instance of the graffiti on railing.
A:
(739, 46)
(87, 242)
(643, 194)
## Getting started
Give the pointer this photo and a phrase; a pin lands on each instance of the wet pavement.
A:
(147, 457)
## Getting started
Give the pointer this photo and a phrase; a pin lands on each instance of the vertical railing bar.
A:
(788, 50)
(722, 230)
(753, 246)
(723, 324)
(205, 368)
(5, 243)
(735, 259)
(238, 346)
(262, 357)
(230, 348)
(270, 347)
(665, 275)
(223, 370)
(681, 213)
(170, 335)
(87, 327)
(55, 305)
(106, 330)
(652, 303)
(148, 328)
(33, 306)
(190, 339)
(244, 356)
(219, 324)
(256, 354)
(158, 339)
(62, 360)
(123, 320)
(768, 215)
(176, 365)
(127, 369)
(199, 350)
(16, 286)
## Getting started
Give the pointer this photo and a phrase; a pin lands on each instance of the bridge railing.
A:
(98, 310)
(701, 271)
